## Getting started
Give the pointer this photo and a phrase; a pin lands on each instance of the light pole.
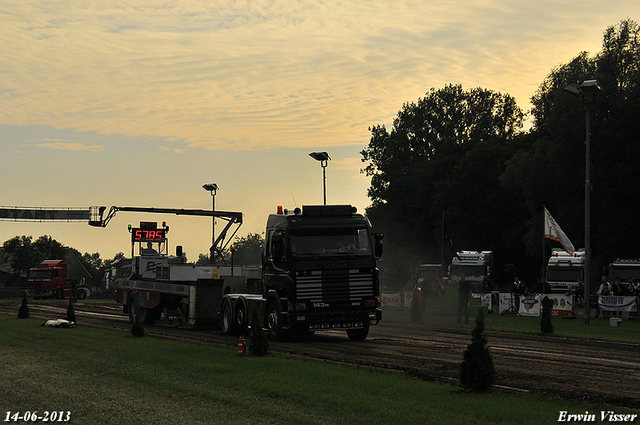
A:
(587, 90)
(323, 157)
(212, 188)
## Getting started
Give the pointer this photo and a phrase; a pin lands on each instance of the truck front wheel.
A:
(274, 323)
(359, 334)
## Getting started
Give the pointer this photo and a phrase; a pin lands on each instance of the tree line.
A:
(460, 163)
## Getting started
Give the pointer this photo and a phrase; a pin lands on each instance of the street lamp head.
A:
(320, 156)
(590, 86)
(210, 187)
(574, 89)
(586, 87)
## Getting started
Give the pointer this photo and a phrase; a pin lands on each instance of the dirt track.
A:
(578, 369)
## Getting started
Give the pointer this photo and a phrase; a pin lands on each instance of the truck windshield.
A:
(330, 241)
(623, 273)
(41, 274)
(564, 274)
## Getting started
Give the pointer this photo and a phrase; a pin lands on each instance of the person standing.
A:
(464, 295)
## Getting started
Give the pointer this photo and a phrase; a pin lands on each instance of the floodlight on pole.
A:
(323, 158)
(587, 91)
(212, 188)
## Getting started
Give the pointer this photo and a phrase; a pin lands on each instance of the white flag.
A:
(553, 231)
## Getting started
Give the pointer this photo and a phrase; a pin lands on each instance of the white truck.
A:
(477, 267)
(565, 271)
(623, 270)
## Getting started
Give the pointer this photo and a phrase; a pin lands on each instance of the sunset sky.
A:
(141, 103)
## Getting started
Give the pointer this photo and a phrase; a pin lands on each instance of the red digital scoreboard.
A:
(148, 235)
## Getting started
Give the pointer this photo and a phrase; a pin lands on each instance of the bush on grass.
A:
(23, 313)
(137, 329)
(477, 372)
(71, 312)
(258, 343)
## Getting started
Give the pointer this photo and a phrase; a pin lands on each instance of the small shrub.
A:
(137, 329)
(258, 343)
(477, 372)
(23, 313)
(71, 312)
(545, 321)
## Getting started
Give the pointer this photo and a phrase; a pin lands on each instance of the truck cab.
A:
(49, 279)
(477, 267)
(565, 271)
(319, 271)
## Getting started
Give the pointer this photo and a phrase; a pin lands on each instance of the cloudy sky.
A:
(141, 103)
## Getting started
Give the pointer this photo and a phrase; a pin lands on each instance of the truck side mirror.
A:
(377, 247)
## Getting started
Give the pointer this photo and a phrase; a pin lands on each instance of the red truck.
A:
(50, 279)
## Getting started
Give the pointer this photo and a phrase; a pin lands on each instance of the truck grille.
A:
(335, 285)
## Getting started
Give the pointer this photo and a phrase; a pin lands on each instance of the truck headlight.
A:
(300, 306)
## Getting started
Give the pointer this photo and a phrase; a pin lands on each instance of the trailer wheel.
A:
(358, 334)
(241, 323)
(274, 324)
(226, 318)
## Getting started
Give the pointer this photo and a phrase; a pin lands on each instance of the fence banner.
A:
(613, 303)
(505, 301)
(562, 305)
(391, 299)
(530, 305)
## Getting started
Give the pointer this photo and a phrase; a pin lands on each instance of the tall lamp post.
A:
(212, 188)
(587, 90)
(323, 157)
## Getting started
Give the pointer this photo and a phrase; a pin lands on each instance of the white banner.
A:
(562, 305)
(613, 303)
(531, 305)
(506, 300)
(391, 299)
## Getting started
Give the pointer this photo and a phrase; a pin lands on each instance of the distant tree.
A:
(20, 254)
(248, 250)
(47, 248)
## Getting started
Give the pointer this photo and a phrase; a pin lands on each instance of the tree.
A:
(248, 250)
(20, 254)
(477, 372)
(550, 168)
(413, 167)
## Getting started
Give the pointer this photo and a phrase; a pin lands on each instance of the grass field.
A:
(107, 377)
